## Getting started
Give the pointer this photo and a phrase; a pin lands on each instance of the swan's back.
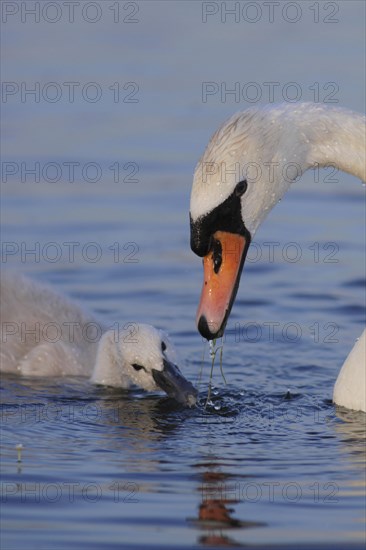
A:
(350, 387)
(35, 317)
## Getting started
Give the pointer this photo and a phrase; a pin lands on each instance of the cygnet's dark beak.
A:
(172, 381)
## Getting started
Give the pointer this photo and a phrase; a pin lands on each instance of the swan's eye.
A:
(163, 346)
(138, 367)
(217, 255)
(241, 187)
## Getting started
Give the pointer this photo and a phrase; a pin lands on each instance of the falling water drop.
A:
(211, 346)
(19, 448)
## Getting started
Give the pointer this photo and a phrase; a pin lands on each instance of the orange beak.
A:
(222, 267)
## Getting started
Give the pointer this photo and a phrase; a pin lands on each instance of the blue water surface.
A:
(265, 459)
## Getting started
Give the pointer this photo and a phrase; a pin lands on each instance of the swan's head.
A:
(246, 168)
(146, 356)
(230, 197)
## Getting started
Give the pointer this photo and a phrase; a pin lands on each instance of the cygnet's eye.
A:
(163, 346)
(138, 367)
(241, 187)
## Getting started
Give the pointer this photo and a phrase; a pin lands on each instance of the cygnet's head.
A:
(147, 357)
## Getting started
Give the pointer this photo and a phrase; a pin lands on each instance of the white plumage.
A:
(350, 387)
(44, 333)
(271, 147)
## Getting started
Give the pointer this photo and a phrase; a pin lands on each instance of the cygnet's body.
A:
(44, 333)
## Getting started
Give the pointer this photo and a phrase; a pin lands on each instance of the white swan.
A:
(43, 333)
(247, 167)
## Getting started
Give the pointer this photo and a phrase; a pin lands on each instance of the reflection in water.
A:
(147, 446)
(352, 432)
(128, 423)
(216, 509)
(143, 423)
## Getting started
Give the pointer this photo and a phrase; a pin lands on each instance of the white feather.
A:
(44, 333)
(270, 147)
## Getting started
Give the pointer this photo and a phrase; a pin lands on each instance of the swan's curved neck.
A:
(332, 136)
(293, 138)
(273, 146)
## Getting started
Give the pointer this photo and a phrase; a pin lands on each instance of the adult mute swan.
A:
(272, 146)
(43, 333)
